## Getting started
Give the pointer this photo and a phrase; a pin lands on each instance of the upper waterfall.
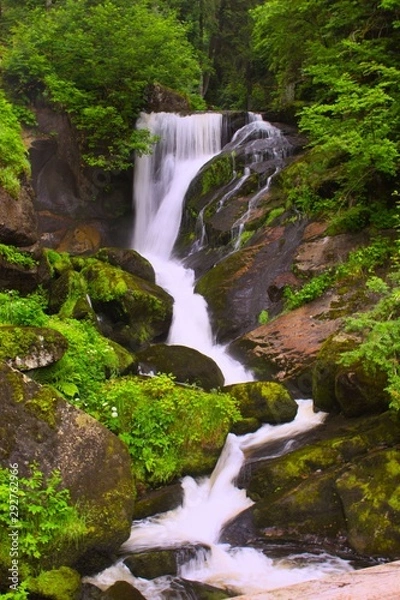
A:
(184, 145)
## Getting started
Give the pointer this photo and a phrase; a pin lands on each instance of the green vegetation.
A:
(13, 154)
(379, 331)
(47, 519)
(166, 425)
(360, 263)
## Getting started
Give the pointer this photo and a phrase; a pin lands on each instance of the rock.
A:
(186, 364)
(163, 561)
(264, 401)
(78, 209)
(341, 489)
(58, 584)
(162, 99)
(195, 589)
(317, 252)
(274, 350)
(120, 590)
(350, 390)
(370, 495)
(18, 220)
(159, 501)
(236, 289)
(27, 348)
(128, 260)
(14, 275)
(39, 426)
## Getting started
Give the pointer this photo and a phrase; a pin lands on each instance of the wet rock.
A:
(120, 590)
(186, 364)
(128, 260)
(159, 562)
(195, 589)
(264, 401)
(336, 489)
(236, 289)
(159, 501)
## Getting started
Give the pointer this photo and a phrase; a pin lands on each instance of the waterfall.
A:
(184, 145)
(207, 505)
(161, 180)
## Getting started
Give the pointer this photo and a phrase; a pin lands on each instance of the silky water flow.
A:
(161, 181)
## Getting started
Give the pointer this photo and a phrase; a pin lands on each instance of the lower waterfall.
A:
(161, 180)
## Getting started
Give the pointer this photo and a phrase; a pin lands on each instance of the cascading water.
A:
(161, 181)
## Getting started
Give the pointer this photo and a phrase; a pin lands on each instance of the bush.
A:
(13, 154)
(165, 425)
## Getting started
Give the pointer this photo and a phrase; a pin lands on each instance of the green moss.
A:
(59, 584)
(16, 341)
(44, 405)
(16, 257)
(217, 174)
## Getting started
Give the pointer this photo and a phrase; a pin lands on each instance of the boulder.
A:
(128, 260)
(159, 501)
(39, 427)
(350, 390)
(370, 495)
(237, 289)
(341, 489)
(18, 220)
(27, 348)
(163, 561)
(264, 402)
(125, 308)
(186, 364)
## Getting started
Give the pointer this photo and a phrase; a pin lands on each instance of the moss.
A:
(16, 341)
(59, 584)
(44, 405)
(267, 401)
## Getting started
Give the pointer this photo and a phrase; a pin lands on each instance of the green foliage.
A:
(164, 424)
(360, 263)
(16, 257)
(13, 154)
(95, 60)
(336, 64)
(379, 332)
(88, 361)
(309, 291)
(46, 519)
(25, 311)
(263, 317)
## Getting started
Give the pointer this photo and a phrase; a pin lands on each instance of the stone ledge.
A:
(374, 583)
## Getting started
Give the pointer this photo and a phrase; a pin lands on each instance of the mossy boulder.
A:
(341, 489)
(39, 427)
(27, 348)
(159, 501)
(128, 260)
(350, 390)
(264, 402)
(58, 584)
(325, 370)
(186, 364)
(370, 496)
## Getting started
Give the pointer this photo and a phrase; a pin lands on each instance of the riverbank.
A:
(373, 583)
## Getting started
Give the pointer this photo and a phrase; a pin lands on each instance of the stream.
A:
(161, 181)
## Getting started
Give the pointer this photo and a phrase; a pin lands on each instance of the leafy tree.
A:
(338, 63)
(95, 60)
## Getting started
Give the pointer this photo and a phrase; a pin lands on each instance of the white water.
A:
(211, 502)
(207, 505)
(161, 181)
